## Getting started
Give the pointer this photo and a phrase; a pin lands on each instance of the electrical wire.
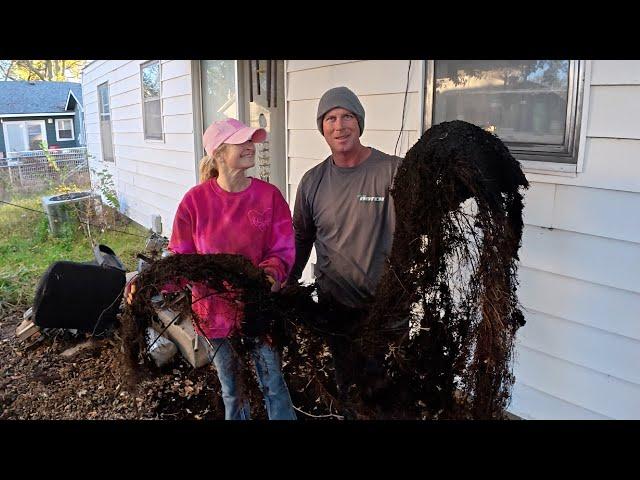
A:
(404, 105)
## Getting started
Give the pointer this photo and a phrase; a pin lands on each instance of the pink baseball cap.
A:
(231, 131)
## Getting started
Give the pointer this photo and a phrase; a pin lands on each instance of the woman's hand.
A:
(275, 284)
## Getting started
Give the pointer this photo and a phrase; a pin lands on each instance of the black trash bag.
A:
(78, 296)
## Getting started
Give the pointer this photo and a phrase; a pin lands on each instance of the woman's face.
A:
(240, 157)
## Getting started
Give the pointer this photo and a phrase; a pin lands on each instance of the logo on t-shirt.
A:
(368, 198)
(260, 220)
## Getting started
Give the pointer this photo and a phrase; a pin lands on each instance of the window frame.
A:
(144, 101)
(536, 157)
(73, 131)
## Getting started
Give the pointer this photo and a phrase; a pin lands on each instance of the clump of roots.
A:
(452, 275)
(218, 272)
(287, 319)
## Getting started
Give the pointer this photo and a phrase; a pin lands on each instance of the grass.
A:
(27, 248)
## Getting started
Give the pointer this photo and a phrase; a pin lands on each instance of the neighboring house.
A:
(573, 124)
(32, 113)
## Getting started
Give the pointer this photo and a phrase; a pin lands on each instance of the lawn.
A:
(27, 248)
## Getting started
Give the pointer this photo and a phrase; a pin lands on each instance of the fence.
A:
(37, 168)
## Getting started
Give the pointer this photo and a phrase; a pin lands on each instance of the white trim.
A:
(57, 114)
(549, 168)
(427, 117)
(196, 99)
(586, 92)
(422, 96)
(66, 105)
(73, 131)
(240, 107)
(43, 129)
(287, 166)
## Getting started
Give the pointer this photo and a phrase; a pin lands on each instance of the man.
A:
(343, 206)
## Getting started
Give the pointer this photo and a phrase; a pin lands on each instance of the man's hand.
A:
(275, 284)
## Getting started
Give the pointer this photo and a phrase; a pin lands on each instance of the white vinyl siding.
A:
(151, 177)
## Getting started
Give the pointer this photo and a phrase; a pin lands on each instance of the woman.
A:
(229, 212)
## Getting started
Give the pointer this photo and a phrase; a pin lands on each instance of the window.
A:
(151, 100)
(64, 129)
(104, 111)
(23, 136)
(219, 96)
(534, 106)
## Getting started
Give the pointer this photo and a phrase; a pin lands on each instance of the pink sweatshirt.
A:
(255, 223)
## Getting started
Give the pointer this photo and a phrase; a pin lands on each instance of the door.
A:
(253, 92)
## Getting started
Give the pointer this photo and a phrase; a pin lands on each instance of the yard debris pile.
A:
(444, 316)
(38, 382)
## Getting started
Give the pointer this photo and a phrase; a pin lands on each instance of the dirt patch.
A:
(36, 382)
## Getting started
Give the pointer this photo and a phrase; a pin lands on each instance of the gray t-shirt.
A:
(349, 215)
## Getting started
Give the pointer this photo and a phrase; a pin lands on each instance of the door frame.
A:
(198, 113)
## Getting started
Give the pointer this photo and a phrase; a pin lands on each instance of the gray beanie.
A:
(340, 97)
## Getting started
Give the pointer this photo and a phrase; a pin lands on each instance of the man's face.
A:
(341, 130)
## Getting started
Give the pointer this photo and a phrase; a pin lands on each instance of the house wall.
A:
(578, 355)
(151, 176)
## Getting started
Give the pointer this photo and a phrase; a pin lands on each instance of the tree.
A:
(41, 70)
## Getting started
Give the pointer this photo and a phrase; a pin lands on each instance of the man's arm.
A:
(305, 231)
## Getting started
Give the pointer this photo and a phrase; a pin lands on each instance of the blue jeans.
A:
(271, 381)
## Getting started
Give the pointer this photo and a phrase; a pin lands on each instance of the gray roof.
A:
(36, 97)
